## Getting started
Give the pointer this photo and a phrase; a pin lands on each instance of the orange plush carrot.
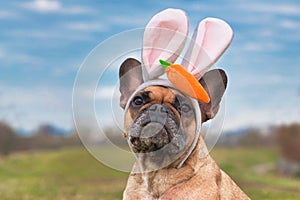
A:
(185, 81)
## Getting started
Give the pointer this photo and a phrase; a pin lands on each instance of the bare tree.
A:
(8, 138)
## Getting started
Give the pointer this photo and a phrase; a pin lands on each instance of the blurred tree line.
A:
(42, 138)
(285, 138)
(289, 141)
(288, 138)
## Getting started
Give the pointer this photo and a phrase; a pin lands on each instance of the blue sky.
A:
(43, 43)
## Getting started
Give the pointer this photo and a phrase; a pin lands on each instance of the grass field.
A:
(75, 174)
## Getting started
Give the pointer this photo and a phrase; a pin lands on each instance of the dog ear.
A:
(215, 83)
(130, 75)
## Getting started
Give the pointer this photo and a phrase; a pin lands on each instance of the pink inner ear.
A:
(210, 39)
(164, 38)
(161, 36)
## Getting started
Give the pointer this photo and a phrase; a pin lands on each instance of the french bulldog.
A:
(160, 126)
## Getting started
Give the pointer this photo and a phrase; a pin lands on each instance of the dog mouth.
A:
(149, 135)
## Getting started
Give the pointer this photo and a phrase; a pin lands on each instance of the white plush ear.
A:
(164, 38)
(210, 39)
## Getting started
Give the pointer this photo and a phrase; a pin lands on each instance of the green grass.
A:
(63, 174)
(242, 163)
(75, 174)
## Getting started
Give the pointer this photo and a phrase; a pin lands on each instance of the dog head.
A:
(160, 121)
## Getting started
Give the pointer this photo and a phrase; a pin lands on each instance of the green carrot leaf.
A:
(164, 64)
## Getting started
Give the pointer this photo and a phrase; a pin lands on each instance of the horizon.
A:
(43, 44)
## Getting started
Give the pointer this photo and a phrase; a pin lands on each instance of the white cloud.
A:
(281, 31)
(5, 14)
(202, 7)
(260, 117)
(49, 34)
(101, 93)
(43, 5)
(259, 80)
(53, 6)
(197, 6)
(261, 46)
(86, 26)
(74, 10)
(289, 24)
(266, 33)
(23, 58)
(62, 70)
(128, 20)
(2, 53)
(28, 107)
(284, 9)
(105, 92)
(26, 58)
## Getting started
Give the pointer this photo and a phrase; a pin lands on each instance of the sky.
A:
(43, 43)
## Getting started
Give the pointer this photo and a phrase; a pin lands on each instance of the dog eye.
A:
(185, 108)
(137, 101)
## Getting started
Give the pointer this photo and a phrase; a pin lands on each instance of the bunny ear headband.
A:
(165, 36)
(164, 39)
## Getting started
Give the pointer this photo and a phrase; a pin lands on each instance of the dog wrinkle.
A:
(174, 110)
(160, 94)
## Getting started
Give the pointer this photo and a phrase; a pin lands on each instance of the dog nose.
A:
(158, 113)
(158, 108)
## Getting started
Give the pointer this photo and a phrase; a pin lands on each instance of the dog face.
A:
(160, 122)
(158, 116)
